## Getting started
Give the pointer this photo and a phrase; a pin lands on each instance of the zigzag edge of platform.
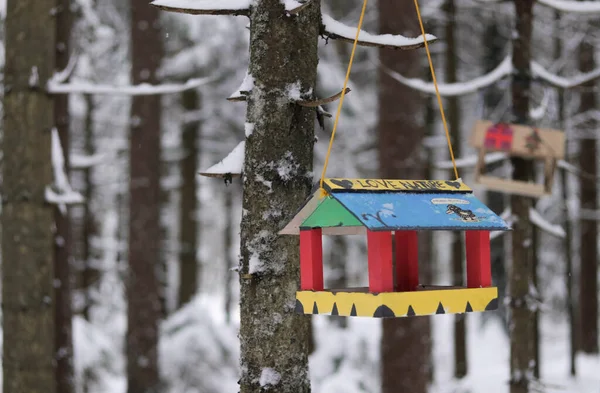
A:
(397, 304)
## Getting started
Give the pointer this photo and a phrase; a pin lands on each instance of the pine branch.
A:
(84, 87)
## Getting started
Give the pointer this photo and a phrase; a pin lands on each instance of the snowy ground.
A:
(488, 349)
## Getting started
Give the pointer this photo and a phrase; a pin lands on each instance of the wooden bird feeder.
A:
(391, 212)
(518, 141)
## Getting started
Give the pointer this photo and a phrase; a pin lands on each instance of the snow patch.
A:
(232, 164)
(245, 88)
(204, 4)
(583, 7)
(269, 376)
(60, 193)
(248, 129)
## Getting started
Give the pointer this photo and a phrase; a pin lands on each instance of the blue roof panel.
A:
(403, 211)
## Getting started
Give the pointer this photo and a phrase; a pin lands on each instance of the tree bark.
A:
(89, 274)
(564, 179)
(493, 45)
(188, 221)
(143, 288)
(521, 280)
(62, 245)
(27, 220)
(588, 284)
(460, 328)
(405, 342)
(283, 54)
(227, 246)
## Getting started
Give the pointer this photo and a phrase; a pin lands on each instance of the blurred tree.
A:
(405, 342)
(28, 292)
(188, 216)
(144, 309)
(454, 123)
(63, 245)
(588, 194)
(522, 357)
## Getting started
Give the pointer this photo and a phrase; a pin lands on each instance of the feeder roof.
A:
(388, 205)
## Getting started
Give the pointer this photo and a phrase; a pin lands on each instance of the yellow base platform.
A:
(360, 303)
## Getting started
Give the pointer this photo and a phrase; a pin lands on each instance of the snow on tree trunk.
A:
(405, 342)
(588, 289)
(188, 221)
(277, 179)
(143, 288)
(63, 242)
(522, 304)
(27, 219)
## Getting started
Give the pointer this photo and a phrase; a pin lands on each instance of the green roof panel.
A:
(330, 213)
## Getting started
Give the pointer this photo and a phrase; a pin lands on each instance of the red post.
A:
(311, 259)
(407, 261)
(381, 272)
(479, 270)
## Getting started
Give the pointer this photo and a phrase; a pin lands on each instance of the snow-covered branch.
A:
(205, 7)
(562, 82)
(471, 161)
(539, 221)
(456, 89)
(293, 7)
(230, 166)
(337, 30)
(60, 193)
(503, 70)
(143, 89)
(78, 161)
(582, 7)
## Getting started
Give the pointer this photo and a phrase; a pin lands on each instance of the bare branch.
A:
(336, 30)
(322, 101)
(205, 7)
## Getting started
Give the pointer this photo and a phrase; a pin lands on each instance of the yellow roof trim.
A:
(393, 185)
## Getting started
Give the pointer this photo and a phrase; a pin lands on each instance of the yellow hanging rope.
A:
(437, 90)
(339, 109)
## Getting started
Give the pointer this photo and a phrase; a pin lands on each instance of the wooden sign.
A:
(385, 185)
(518, 141)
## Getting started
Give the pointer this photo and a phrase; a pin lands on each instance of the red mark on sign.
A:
(499, 137)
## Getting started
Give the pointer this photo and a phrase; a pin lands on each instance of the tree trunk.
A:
(493, 44)
(89, 275)
(460, 328)
(227, 245)
(283, 54)
(521, 338)
(338, 258)
(188, 221)
(62, 245)
(405, 342)
(27, 220)
(143, 287)
(588, 287)
(564, 177)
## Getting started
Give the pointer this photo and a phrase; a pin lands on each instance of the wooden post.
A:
(381, 272)
(479, 272)
(407, 261)
(311, 259)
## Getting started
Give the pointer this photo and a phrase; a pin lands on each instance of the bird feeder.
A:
(390, 213)
(518, 141)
